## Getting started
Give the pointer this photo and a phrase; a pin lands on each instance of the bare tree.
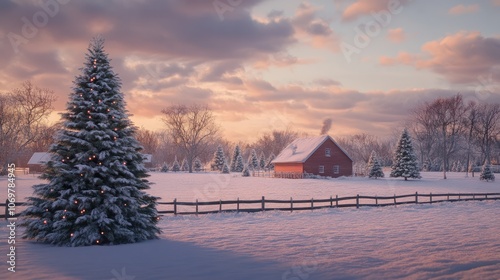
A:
(488, 128)
(470, 121)
(191, 127)
(275, 141)
(445, 116)
(23, 117)
(149, 140)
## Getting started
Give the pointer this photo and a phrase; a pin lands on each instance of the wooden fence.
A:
(312, 204)
(224, 206)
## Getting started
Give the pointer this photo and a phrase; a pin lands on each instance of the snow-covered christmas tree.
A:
(219, 159)
(225, 169)
(262, 161)
(374, 167)
(405, 161)
(184, 165)
(270, 164)
(197, 166)
(486, 174)
(253, 160)
(176, 167)
(240, 165)
(234, 161)
(95, 192)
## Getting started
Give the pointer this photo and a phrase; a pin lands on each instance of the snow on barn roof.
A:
(39, 158)
(301, 149)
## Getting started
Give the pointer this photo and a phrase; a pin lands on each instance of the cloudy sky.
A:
(260, 64)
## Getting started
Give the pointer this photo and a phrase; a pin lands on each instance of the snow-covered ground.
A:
(442, 241)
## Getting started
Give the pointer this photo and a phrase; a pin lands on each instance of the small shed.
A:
(37, 161)
(314, 155)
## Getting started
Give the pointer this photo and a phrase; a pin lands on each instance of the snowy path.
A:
(441, 241)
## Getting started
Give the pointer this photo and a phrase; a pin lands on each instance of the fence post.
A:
(263, 204)
(357, 201)
(312, 203)
(416, 197)
(220, 205)
(196, 207)
(486, 196)
(431, 198)
(291, 204)
(395, 199)
(376, 200)
(473, 197)
(238, 205)
(175, 206)
(337, 201)
(459, 197)
(448, 197)
(6, 208)
(331, 201)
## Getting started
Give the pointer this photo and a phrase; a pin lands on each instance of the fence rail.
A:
(306, 204)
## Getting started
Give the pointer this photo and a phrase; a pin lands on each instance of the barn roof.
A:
(301, 149)
(39, 158)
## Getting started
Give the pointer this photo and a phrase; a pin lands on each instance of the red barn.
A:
(314, 155)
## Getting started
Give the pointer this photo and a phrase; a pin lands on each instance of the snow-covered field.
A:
(442, 241)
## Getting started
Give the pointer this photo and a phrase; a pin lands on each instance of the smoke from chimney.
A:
(327, 124)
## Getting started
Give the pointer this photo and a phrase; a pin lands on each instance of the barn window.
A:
(336, 169)
(328, 152)
(321, 169)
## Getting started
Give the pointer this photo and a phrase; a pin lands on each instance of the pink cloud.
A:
(396, 35)
(462, 9)
(366, 7)
(460, 57)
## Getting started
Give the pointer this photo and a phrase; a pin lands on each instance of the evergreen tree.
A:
(184, 165)
(246, 172)
(164, 168)
(270, 163)
(197, 166)
(486, 174)
(405, 161)
(95, 192)
(219, 159)
(262, 161)
(176, 167)
(239, 164)
(253, 161)
(234, 161)
(225, 169)
(374, 167)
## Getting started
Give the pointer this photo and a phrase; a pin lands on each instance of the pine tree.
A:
(219, 159)
(270, 163)
(176, 167)
(262, 161)
(234, 161)
(253, 161)
(374, 167)
(184, 165)
(239, 164)
(164, 168)
(405, 161)
(197, 166)
(95, 192)
(486, 174)
(246, 172)
(225, 169)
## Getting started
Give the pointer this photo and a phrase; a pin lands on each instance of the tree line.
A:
(449, 134)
